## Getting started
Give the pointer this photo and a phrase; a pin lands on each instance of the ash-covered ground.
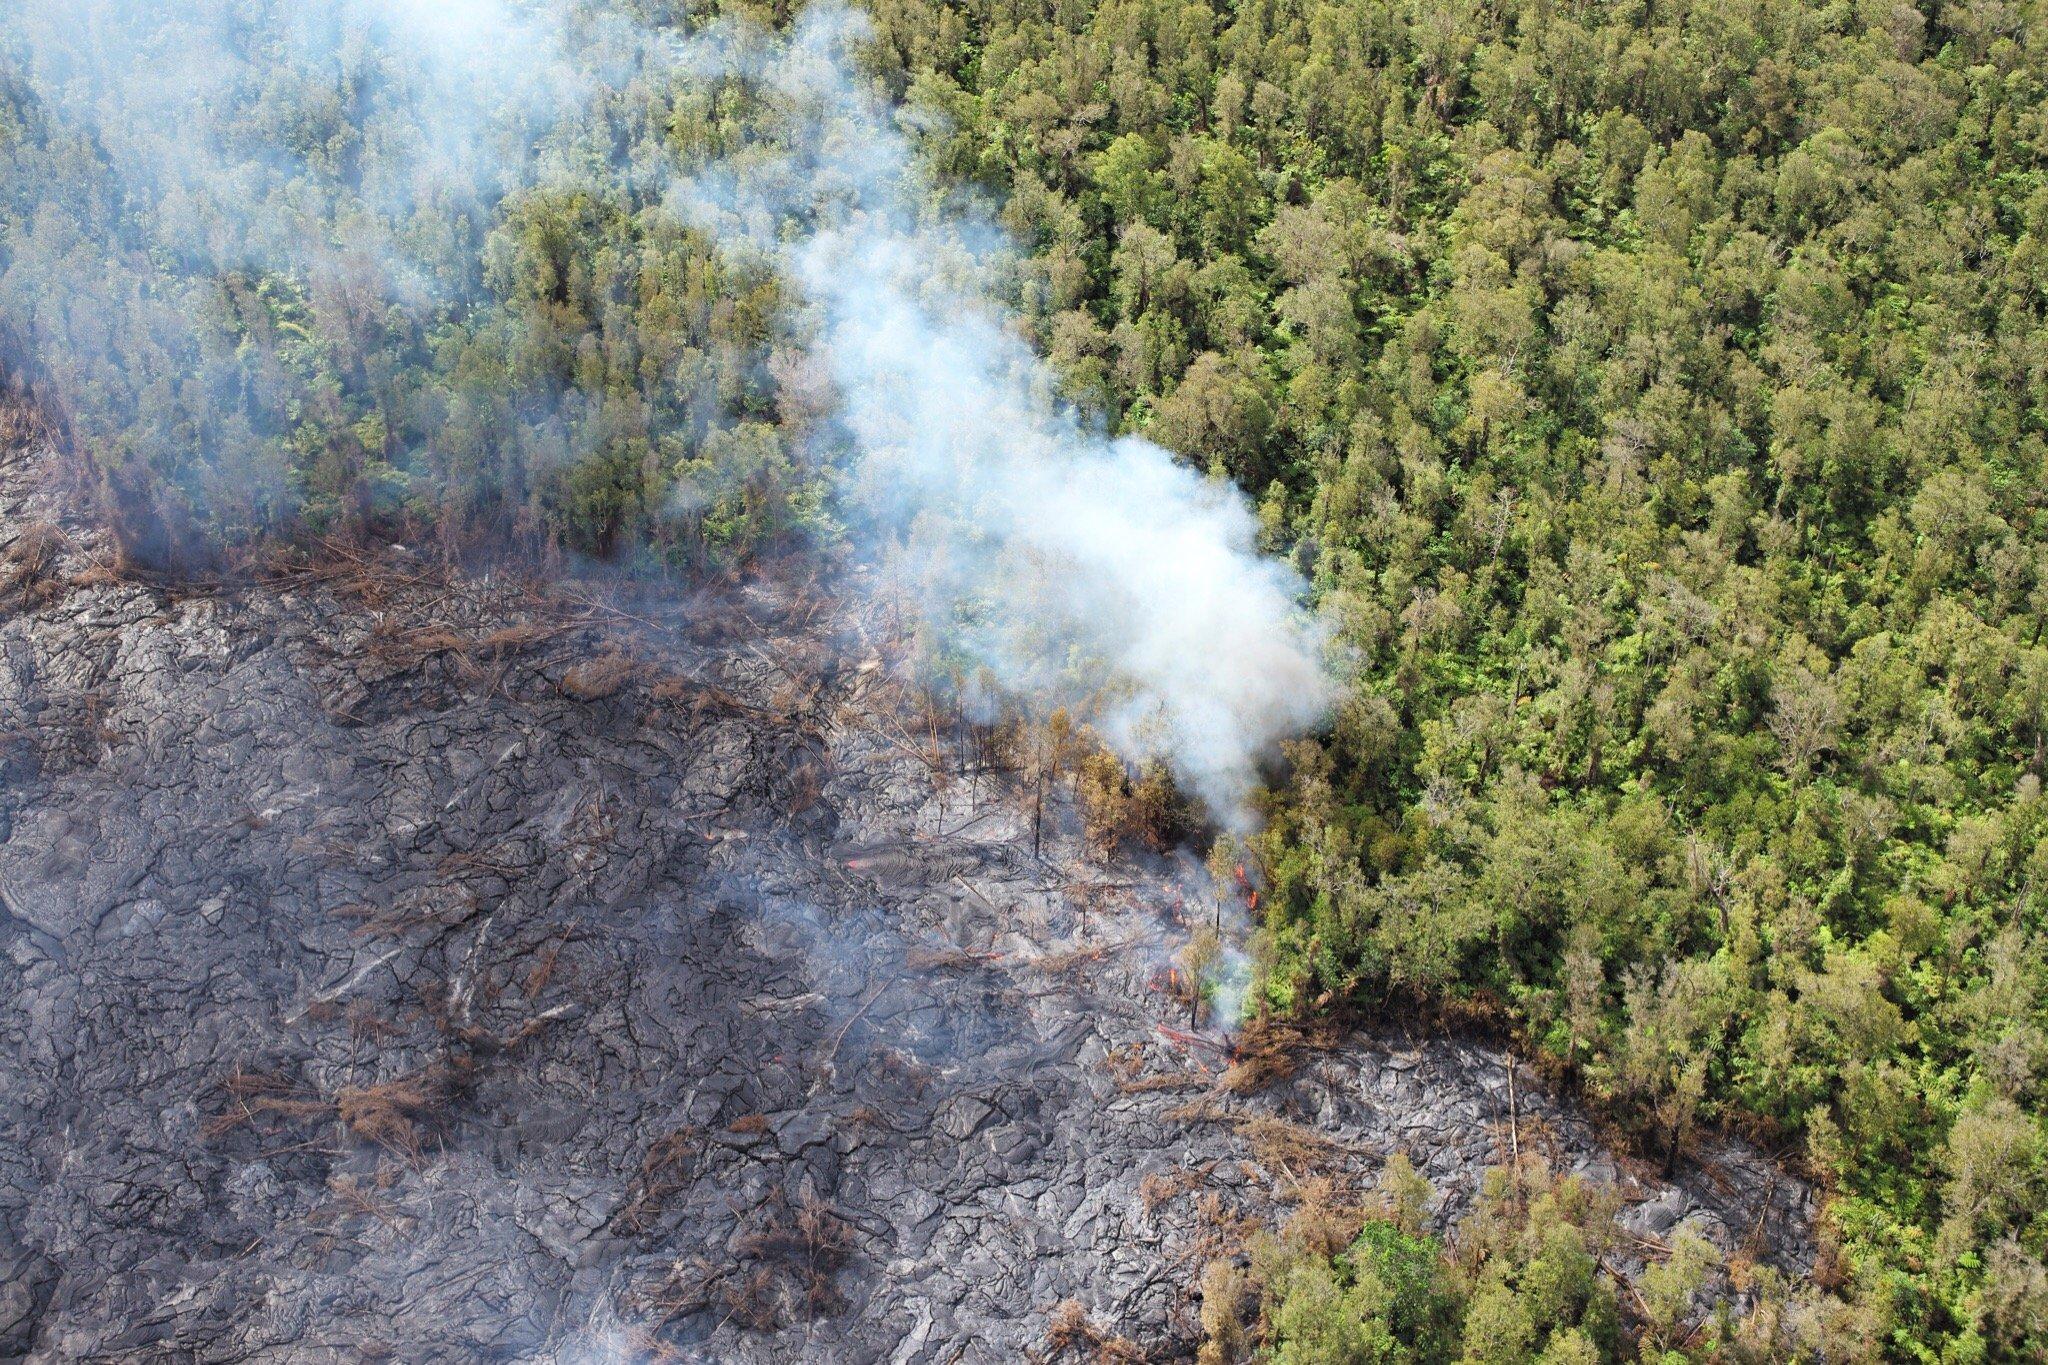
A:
(398, 967)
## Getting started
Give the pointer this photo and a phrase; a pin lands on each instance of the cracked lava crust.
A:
(397, 966)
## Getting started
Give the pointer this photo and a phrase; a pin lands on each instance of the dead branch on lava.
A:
(1073, 1335)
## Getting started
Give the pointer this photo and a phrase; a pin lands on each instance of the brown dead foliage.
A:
(27, 566)
(97, 574)
(1222, 1230)
(1290, 1150)
(803, 1243)
(1263, 1056)
(399, 1115)
(754, 1300)
(1125, 1063)
(1072, 960)
(748, 1124)
(660, 1175)
(806, 783)
(599, 678)
(1162, 1187)
(254, 1095)
(1201, 1109)
(363, 1197)
(506, 641)
(1162, 1080)
(1831, 1268)
(365, 1025)
(407, 648)
(701, 699)
(1074, 1335)
(402, 648)
(1325, 1219)
(689, 1285)
(1285, 1146)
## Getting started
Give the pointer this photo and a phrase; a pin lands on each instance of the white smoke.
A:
(473, 86)
(1077, 569)
(1069, 568)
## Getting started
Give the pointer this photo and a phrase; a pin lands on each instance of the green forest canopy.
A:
(1653, 393)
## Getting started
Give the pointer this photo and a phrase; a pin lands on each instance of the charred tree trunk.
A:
(1038, 815)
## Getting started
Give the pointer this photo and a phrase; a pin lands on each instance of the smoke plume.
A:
(1074, 568)
(1053, 563)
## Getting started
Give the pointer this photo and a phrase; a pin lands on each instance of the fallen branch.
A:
(1186, 1039)
(832, 1053)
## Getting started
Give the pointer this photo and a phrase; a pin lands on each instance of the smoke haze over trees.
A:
(1651, 394)
(350, 293)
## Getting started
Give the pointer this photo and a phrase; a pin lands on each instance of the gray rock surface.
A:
(385, 974)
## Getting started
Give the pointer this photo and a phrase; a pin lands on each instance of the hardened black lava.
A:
(398, 965)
